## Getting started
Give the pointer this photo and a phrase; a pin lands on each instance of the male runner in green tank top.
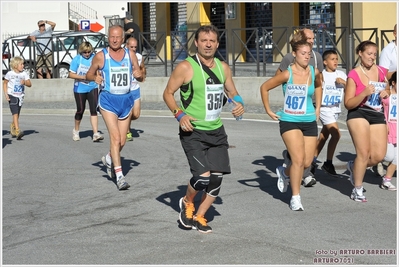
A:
(203, 81)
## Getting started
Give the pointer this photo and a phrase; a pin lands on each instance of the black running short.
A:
(206, 151)
(372, 116)
(307, 128)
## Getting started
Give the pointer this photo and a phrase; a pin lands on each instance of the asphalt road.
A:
(61, 208)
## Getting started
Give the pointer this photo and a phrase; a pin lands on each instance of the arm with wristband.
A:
(233, 103)
(238, 98)
(178, 113)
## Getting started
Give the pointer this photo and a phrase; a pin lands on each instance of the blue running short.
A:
(120, 105)
(136, 94)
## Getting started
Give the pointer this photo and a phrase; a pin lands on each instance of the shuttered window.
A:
(317, 14)
(257, 15)
(217, 18)
(178, 15)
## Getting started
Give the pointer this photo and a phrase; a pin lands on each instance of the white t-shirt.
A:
(334, 97)
(14, 87)
(135, 84)
(389, 57)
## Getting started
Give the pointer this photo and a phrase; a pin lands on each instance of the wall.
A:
(22, 17)
(104, 8)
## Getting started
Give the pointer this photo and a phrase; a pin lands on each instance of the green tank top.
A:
(202, 98)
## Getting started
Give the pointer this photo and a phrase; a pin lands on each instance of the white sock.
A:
(118, 172)
(359, 191)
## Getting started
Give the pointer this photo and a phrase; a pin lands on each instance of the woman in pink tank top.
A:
(365, 88)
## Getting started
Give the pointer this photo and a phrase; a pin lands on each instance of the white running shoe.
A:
(122, 184)
(97, 137)
(387, 186)
(295, 203)
(109, 167)
(308, 181)
(75, 135)
(358, 197)
(282, 181)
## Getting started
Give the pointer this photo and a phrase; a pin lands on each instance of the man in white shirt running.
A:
(389, 56)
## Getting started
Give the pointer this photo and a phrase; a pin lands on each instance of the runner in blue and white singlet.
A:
(113, 69)
(115, 89)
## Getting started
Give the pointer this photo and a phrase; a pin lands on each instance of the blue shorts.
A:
(136, 94)
(120, 105)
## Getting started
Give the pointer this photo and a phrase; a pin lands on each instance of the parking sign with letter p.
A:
(85, 25)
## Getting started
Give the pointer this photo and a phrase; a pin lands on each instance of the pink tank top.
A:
(382, 72)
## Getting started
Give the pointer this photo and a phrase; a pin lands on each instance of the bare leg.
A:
(15, 119)
(117, 132)
(368, 153)
(77, 125)
(295, 143)
(390, 169)
(39, 73)
(321, 141)
(94, 123)
(335, 136)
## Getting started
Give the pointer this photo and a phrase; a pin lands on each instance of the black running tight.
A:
(80, 99)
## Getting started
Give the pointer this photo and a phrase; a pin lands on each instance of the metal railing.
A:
(64, 47)
(253, 48)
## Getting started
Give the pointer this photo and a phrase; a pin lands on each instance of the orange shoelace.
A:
(201, 220)
(189, 209)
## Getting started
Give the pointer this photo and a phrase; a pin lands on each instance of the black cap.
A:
(129, 16)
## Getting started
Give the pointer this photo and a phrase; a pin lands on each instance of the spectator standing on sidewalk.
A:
(131, 44)
(131, 29)
(365, 87)
(316, 61)
(84, 90)
(334, 82)
(112, 67)
(298, 119)
(14, 84)
(203, 80)
(42, 38)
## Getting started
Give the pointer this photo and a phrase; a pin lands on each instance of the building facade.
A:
(254, 26)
